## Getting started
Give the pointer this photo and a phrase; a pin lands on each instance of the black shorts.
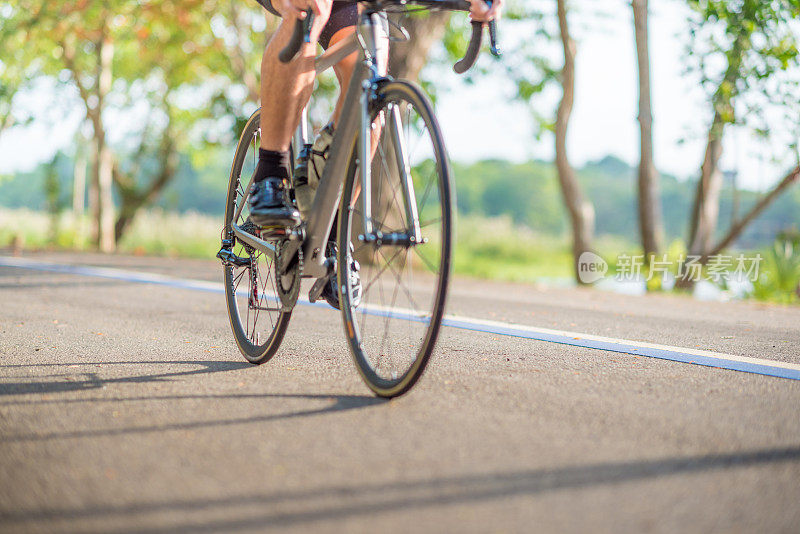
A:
(343, 14)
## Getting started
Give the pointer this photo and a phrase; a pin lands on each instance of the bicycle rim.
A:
(393, 330)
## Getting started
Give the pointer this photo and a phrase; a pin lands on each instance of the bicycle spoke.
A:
(425, 195)
(238, 279)
(425, 260)
(388, 317)
(388, 177)
(428, 223)
(364, 291)
(400, 282)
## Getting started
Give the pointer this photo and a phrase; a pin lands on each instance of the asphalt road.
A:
(126, 407)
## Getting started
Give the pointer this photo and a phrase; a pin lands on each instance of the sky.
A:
(481, 121)
(606, 105)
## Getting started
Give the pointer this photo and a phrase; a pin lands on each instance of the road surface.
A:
(125, 407)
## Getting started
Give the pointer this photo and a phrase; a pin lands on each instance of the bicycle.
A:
(402, 239)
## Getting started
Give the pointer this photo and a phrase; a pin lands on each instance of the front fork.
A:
(392, 122)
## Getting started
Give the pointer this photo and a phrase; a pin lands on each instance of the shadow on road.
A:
(288, 508)
(93, 381)
(338, 403)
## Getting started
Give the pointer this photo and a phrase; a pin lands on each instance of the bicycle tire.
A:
(247, 336)
(395, 383)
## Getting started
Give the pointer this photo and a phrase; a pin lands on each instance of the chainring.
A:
(288, 285)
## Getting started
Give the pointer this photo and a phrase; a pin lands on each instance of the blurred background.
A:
(665, 132)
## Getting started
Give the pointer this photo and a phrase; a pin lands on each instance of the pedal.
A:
(320, 283)
(227, 256)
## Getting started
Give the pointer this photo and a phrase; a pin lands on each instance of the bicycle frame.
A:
(353, 132)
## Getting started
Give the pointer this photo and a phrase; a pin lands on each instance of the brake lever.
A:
(493, 34)
(493, 38)
(307, 22)
(300, 35)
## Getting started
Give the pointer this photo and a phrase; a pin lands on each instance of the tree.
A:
(173, 64)
(527, 65)
(182, 53)
(581, 211)
(755, 43)
(651, 226)
(407, 58)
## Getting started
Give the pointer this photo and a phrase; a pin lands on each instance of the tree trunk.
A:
(79, 181)
(651, 225)
(737, 227)
(705, 211)
(580, 210)
(105, 162)
(94, 194)
(101, 203)
(107, 241)
(706, 203)
(132, 201)
(406, 59)
(239, 61)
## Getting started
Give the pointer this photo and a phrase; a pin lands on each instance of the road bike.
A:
(394, 217)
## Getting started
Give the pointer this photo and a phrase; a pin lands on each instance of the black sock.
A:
(272, 164)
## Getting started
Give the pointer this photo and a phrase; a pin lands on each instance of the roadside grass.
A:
(486, 247)
(153, 232)
(192, 235)
(494, 248)
(491, 248)
(779, 278)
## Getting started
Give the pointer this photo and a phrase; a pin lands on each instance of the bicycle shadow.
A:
(334, 403)
(291, 508)
(94, 381)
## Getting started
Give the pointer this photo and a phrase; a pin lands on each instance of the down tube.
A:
(326, 200)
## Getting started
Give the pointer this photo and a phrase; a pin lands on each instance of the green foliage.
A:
(527, 31)
(186, 70)
(746, 52)
(527, 193)
(496, 248)
(779, 274)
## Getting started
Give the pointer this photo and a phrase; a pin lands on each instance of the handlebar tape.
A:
(493, 38)
(301, 34)
(465, 63)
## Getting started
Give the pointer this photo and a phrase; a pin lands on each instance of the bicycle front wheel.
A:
(393, 322)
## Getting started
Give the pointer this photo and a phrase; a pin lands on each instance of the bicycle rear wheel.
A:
(253, 304)
(393, 327)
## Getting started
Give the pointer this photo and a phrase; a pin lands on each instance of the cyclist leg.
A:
(286, 87)
(285, 90)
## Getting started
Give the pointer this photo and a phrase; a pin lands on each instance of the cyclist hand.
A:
(296, 8)
(480, 12)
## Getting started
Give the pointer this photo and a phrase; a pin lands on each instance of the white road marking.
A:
(680, 354)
